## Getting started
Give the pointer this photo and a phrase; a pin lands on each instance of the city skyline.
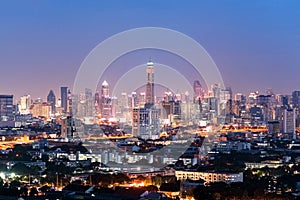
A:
(149, 99)
(50, 48)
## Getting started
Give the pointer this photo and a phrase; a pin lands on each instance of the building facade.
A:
(210, 177)
(6, 108)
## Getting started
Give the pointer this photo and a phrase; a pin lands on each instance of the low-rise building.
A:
(210, 176)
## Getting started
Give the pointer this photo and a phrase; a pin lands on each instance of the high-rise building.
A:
(89, 103)
(288, 121)
(51, 99)
(97, 102)
(198, 90)
(24, 105)
(67, 128)
(296, 99)
(167, 109)
(145, 122)
(105, 89)
(142, 99)
(285, 101)
(106, 105)
(240, 98)
(40, 109)
(64, 98)
(150, 83)
(134, 102)
(6, 108)
(69, 103)
(135, 121)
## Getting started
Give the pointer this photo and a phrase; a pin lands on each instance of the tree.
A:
(151, 188)
(15, 184)
(33, 191)
(3, 167)
(23, 191)
(157, 180)
(120, 178)
(45, 188)
(202, 192)
(21, 169)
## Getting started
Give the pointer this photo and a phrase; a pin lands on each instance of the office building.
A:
(210, 177)
(105, 103)
(288, 121)
(64, 98)
(24, 105)
(40, 110)
(6, 108)
(150, 83)
(296, 99)
(51, 99)
(145, 122)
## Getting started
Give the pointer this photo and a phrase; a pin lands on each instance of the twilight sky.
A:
(255, 44)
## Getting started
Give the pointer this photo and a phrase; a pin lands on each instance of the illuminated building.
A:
(252, 98)
(6, 108)
(51, 99)
(67, 130)
(97, 102)
(135, 121)
(145, 122)
(256, 113)
(167, 109)
(142, 99)
(274, 127)
(69, 103)
(170, 107)
(64, 98)
(288, 121)
(105, 89)
(296, 99)
(134, 100)
(198, 91)
(266, 163)
(150, 83)
(24, 105)
(106, 105)
(122, 108)
(210, 176)
(89, 106)
(40, 109)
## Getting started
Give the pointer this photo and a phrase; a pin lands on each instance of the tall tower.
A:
(52, 101)
(24, 105)
(105, 89)
(64, 98)
(150, 83)
(105, 100)
(197, 89)
(6, 108)
(296, 99)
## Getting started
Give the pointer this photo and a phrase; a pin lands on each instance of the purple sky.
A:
(255, 44)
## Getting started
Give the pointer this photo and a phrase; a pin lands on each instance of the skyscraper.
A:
(6, 108)
(97, 102)
(64, 98)
(287, 119)
(51, 99)
(296, 99)
(145, 123)
(69, 102)
(150, 83)
(24, 105)
(198, 91)
(40, 109)
(105, 89)
(106, 106)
